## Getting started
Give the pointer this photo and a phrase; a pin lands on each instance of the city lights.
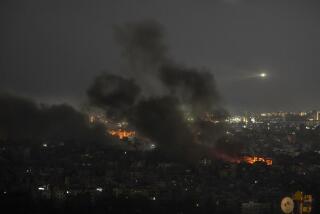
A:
(105, 110)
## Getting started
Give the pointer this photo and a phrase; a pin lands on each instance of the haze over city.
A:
(160, 106)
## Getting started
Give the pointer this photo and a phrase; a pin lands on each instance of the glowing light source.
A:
(153, 146)
(121, 134)
(263, 75)
(254, 159)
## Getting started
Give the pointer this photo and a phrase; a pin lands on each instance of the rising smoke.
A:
(155, 93)
(114, 93)
(22, 120)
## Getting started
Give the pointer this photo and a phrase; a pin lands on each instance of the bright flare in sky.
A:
(263, 75)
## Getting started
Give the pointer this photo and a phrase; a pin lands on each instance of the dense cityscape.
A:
(279, 155)
(159, 107)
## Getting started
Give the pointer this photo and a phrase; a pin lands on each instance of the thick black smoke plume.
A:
(142, 42)
(194, 88)
(119, 93)
(157, 94)
(23, 120)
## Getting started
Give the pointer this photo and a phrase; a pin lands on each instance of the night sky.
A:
(52, 50)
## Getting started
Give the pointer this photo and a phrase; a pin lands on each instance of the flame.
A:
(121, 134)
(254, 159)
(218, 154)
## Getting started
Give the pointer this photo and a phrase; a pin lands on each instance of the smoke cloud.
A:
(156, 94)
(114, 93)
(142, 43)
(194, 88)
(23, 120)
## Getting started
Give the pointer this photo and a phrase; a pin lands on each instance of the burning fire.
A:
(236, 159)
(121, 134)
(253, 159)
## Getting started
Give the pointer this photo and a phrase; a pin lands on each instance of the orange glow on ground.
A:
(254, 159)
(121, 134)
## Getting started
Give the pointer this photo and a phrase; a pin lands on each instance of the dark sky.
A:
(52, 50)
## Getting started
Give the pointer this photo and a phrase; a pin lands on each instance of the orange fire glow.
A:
(121, 134)
(254, 159)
